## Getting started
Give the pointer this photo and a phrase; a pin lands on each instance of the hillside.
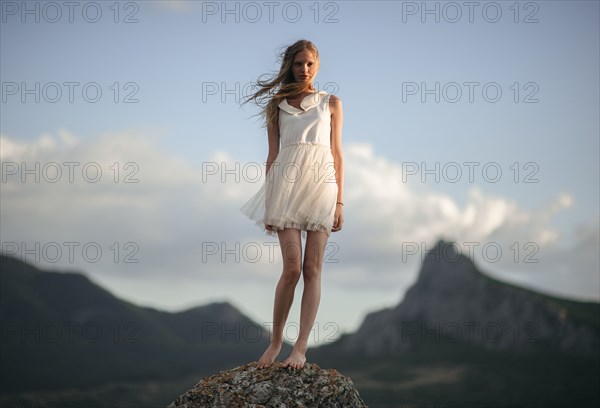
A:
(60, 329)
(457, 335)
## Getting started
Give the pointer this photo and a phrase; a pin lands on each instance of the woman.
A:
(303, 191)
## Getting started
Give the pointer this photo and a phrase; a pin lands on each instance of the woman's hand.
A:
(338, 218)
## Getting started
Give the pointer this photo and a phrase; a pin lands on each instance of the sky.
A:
(126, 153)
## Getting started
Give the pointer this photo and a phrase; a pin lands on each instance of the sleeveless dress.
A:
(300, 189)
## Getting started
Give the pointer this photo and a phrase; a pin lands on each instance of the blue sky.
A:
(178, 51)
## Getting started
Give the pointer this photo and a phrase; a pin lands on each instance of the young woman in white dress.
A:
(293, 89)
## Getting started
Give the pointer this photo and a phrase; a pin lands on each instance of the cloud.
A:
(181, 220)
(389, 212)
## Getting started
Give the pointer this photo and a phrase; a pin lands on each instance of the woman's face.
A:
(304, 67)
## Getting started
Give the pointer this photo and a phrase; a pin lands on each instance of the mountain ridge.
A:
(9, 262)
(452, 297)
(144, 345)
(64, 319)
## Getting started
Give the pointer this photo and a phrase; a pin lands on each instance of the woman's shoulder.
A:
(334, 102)
(334, 98)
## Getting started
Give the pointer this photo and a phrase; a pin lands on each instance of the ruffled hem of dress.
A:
(279, 226)
(304, 228)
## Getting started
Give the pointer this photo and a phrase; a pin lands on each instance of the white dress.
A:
(300, 189)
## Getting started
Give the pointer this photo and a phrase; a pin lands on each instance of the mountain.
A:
(461, 338)
(453, 302)
(60, 330)
(458, 338)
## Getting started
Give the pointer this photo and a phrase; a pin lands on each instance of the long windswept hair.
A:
(282, 84)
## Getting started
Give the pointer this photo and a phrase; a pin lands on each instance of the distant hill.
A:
(462, 338)
(453, 302)
(458, 338)
(62, 330)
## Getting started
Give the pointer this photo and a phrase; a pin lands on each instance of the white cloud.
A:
(179, 213)
(388, 212)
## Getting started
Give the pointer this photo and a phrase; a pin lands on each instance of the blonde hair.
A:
(267, 98)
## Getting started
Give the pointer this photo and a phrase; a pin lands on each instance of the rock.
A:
(275, 386)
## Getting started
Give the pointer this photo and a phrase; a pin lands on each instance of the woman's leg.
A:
(314, 251)
(291, 251)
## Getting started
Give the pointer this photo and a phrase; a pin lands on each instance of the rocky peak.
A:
(275, 386)
(444, 266)
(453, 302)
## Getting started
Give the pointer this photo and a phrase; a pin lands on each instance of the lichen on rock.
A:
(274, 386)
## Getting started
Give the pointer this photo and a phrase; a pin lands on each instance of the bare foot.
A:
(296, 359)
(269, 355)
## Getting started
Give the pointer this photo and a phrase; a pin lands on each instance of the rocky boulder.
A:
(275, 386)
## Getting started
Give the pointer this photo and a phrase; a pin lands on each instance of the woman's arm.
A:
(337, 118)
(273, 133)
